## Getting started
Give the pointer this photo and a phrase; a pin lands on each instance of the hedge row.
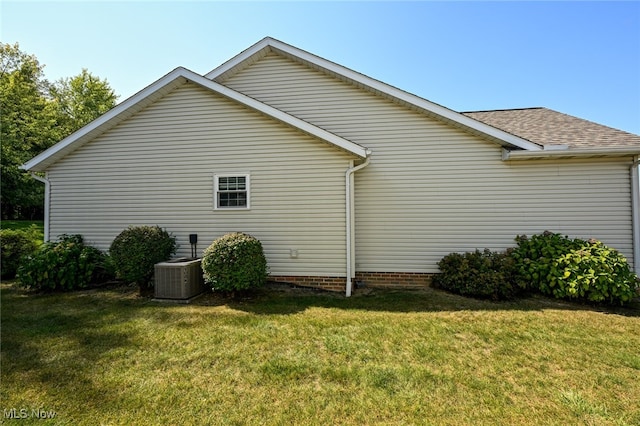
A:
(547, 263)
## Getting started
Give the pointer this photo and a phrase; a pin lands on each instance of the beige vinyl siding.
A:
(157, 168)
(432, 189)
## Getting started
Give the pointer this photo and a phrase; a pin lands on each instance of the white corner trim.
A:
(635, 211)
(47, 202)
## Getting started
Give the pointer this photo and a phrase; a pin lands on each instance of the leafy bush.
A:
(14, 245)
(68, 264)
(534, 256)
(574, 269)
(481, 274)
(136, 250)
(233, 262)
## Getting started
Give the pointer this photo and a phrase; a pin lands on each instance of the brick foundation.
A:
(389, 280)
(325, 283)
(404, 280)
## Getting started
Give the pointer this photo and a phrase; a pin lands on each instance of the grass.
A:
(107, 356)
(23, 225)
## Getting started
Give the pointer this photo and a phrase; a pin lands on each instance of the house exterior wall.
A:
(157, 168)
(432, 189)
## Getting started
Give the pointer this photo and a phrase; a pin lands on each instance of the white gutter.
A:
(508, 155)
(350, 218)
(635, 211)
(47, 198)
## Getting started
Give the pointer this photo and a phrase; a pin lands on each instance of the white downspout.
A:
(47, 198)
(635, 211)
(350, 219)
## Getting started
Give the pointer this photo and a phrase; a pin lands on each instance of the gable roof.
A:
(158, 89)
(268, 44)
(523, 133)
(549, 128)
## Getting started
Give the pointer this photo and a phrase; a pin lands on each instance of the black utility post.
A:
(193, 240)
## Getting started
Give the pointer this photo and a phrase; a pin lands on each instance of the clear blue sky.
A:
(581, 58)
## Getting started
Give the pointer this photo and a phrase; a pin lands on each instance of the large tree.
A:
(35, 114)
(26, 120)
(81, 99)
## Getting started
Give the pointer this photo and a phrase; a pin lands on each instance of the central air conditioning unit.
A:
(178, 279)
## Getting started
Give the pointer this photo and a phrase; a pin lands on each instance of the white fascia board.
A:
(241, 57)
(75, 140)
(379, 86)
(40, 162)
(570, 153)
(277, 114)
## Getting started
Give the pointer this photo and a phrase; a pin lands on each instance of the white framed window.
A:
(231, 191)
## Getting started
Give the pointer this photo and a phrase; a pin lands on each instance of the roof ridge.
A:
(502, 109)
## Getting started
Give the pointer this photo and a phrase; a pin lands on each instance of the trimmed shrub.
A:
(68, 264)
(16, 244)
(136, 250)
(568, 268)
(480, 274)
(235, 262)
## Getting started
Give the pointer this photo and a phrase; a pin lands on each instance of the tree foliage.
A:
(81, 99)
(26, 123)
(34, 115)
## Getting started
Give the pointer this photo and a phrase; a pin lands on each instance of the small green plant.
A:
(569, 268)
(481, 274)
(136, 250)
(15, 244)
(67, 264)
(235, 262)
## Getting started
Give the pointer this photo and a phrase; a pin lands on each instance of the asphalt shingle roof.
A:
(545, 127)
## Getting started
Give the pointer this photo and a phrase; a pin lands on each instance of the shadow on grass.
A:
(56, 339)
(284, 300)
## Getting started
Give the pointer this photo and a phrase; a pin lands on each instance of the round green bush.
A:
(480, 274)
(16, 244)
(234, 262)
(567, 268)
(67, 264)
(136, 250)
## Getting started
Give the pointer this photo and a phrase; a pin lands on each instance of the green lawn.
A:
(24, 225)
(280, 357)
